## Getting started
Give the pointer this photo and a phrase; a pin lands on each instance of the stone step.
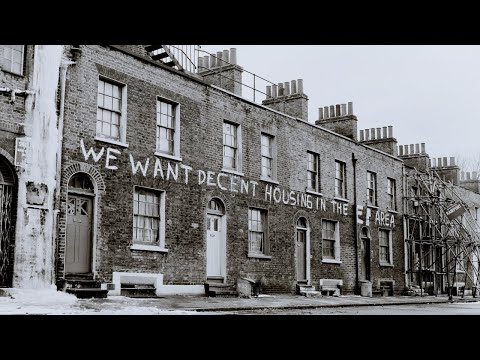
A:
(139, 292)
(69, 283)
(310, 293)
(88, 293)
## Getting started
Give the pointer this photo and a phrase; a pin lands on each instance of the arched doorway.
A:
(8, 195)
(365, 258)
(78, 252)
(302, 246)
(216, 249)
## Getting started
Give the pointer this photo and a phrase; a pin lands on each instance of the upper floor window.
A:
(268, 157)
(340, 183)
(231, 146)
(168, 128)
(385, 246)
(391, 192)
(11, 58)
(111, 111)
(372, 188)
(313, 178)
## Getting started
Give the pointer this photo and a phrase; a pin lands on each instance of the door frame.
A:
(92, 231)
(307, 250)
(368, 240)
(223, 237)
(93, 234)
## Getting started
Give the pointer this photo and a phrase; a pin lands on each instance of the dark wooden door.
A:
(79, 234)
(301, 254)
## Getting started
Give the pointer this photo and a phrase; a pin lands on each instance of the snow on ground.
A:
(52, 302)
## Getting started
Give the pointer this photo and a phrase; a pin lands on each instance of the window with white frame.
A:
(11, 58)
(111, 111)
(313, 178)
(391, 192)
(231, 146)
(340, 183)
(268, 157)
(168, 128)
(460, 259)
(330, 240)
(385, 246)
(257, 232)
(148, 217)
(371, 188)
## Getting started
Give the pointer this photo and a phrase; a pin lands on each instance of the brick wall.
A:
(203, 110)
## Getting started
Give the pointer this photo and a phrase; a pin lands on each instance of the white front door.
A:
(215, 247)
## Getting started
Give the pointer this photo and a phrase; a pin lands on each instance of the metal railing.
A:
(251, 84)
(185, 55)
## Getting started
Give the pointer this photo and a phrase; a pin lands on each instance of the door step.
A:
(220, 290)
(307, 290)
(83, 286)
(87, 293)
(138, 291)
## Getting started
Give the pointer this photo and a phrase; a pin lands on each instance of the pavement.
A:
(24, 301)
(263, 302)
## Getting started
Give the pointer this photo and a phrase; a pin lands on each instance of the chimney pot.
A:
(332, 111)
(361, 135)
(280, 89)
(417, 148)
(200, 63)
(226, 57)
(400, 150)
(350, 108)
(412, 149)
(452, 161)
(379, 133)
(233, 56)
(269, 91)
(320, 113)
(213, 61)
(344, 109)
(432, 162)
(390, 131)
(439, 162)
(287, 88)
(385, 133)
(325, 112)
(474, 175)
(300, 86)
(405, 149)
(294, 86)
(372, 133)
(219, 59)
(468, 175)
(445, 162)
(422, 145)
(367, 134)
(338, 110)
(206, 62)
(274, 91)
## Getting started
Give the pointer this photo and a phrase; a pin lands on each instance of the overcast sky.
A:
(427, 93)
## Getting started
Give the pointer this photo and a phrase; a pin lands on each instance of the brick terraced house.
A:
(137, 170)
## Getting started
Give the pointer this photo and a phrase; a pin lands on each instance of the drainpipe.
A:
(405, 227)
(56, 208)
(354, 163)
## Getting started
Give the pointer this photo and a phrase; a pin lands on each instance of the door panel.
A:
(301, 255)
(215, 253)
(79, 234)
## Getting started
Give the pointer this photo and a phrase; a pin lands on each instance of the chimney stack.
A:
(221, 70)
(447, 170)
(289, 99)
(414, 155)
(382, 139)
(340, 119)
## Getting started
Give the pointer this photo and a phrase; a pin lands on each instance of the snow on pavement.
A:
(52, 302)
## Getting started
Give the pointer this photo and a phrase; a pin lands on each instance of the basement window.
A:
(11, 58)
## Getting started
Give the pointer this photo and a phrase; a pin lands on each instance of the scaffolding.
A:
(442, 238)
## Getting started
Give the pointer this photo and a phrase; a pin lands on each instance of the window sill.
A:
(148, 248)
(269, 180)
(313, 192)
(11, 72)
(259, 256)
(110, 141)
(331, 261)
(392, 211)
(340, 199)
(384, 264)
(373, 207)
(234, 172)
(167, 156)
